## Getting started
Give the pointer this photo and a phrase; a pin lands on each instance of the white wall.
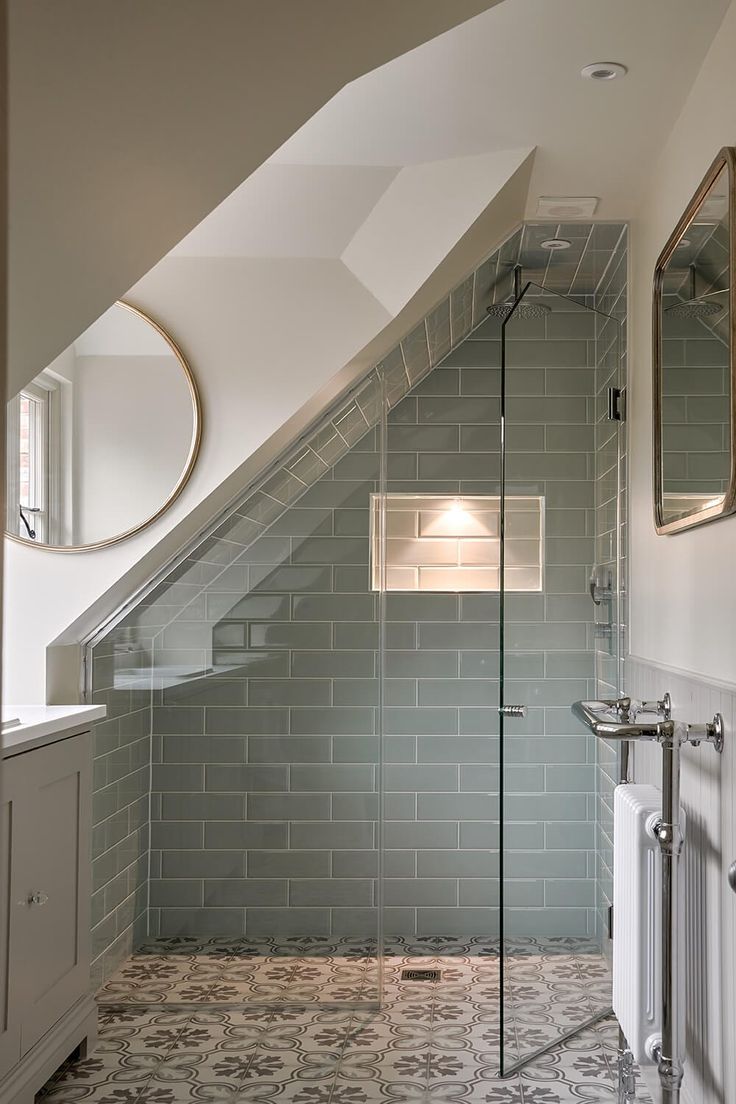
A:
(683, 606)
(683, 587)
(133, 423)
(261, 336)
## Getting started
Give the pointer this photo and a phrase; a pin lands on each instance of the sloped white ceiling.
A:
(290, 211)
(129, 121)
(510, 77)
(418, 219)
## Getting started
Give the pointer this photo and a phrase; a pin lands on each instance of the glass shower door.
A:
(558, 359)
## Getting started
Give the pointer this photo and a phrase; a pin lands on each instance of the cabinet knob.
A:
(38, 898)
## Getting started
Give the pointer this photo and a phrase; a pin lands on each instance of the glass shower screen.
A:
(558, 488)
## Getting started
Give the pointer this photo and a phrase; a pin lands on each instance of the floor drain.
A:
(421, 975)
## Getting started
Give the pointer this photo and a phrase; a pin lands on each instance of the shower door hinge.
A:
(616, 404)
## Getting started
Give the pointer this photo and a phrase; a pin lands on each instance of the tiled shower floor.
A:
(188, 1036)
(227, 971)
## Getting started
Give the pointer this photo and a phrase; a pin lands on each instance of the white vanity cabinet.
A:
(46, 1007)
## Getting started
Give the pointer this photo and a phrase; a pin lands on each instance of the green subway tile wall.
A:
(611, 640)
(255, 665)
(293, 666)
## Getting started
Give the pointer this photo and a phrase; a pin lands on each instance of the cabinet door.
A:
(51, 943)
(10, 1011)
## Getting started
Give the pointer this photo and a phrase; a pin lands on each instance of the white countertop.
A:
(44, 724)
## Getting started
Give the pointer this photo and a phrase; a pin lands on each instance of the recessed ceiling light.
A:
(603, 71)
(554, 244)
(683, 243)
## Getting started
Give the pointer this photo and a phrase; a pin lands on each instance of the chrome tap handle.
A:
(623, 708)
(513, 711)
(663, 707)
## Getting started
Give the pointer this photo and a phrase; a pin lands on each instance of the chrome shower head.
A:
(696, 306)
(527, 308)
(524, 310)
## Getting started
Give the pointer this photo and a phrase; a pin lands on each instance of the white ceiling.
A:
(507, 79)
(390, 227)
(510, 77)
(290, 211)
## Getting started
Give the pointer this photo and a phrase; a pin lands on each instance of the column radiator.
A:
(637, 917)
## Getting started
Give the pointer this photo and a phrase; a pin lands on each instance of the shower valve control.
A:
(616, 404)
(513, 711)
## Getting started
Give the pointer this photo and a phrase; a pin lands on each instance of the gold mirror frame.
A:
(726, 158)
(186, 470)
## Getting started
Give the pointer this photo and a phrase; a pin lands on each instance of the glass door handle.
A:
(513, 711)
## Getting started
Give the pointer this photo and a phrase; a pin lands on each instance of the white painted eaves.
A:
(420, 216)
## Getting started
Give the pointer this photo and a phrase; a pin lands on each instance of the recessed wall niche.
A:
(452, 543)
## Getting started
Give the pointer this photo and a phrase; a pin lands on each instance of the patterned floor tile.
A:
(187, 1021)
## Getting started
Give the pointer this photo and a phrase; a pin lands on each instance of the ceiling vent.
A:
(566, 207)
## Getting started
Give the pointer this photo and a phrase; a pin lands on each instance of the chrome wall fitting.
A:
(712, 733)
(617, 720)
(600, 585)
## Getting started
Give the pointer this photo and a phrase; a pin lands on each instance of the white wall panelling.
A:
(708, 783)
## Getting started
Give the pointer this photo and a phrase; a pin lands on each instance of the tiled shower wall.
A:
(120, 810)
(129, 641)
(442, 804)
(264, 802)
(265, 777)
(117, 928)
(611, 638)
(696, 407)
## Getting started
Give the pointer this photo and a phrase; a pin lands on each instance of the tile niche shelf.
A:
(452, 543)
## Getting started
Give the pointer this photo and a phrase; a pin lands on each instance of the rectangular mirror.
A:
(694, 453)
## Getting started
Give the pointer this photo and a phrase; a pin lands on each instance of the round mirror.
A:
(104, 439)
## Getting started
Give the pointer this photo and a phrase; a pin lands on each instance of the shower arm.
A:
(693, 290)
(668, 1051)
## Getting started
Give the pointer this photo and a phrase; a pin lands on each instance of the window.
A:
(452, 543)
(28, 462)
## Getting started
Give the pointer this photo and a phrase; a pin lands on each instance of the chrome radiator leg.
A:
(626, 1079)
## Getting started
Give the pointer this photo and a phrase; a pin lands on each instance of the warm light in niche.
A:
(451, 542)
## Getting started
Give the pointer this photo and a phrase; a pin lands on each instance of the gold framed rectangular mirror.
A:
(694, 355)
